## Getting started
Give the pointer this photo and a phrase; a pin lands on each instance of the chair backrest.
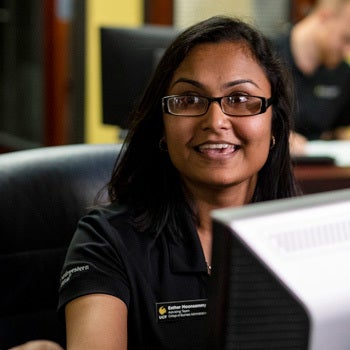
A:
(43, 193)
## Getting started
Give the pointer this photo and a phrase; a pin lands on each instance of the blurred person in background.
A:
(316, 49)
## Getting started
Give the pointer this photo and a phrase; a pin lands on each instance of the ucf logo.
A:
(162, 311)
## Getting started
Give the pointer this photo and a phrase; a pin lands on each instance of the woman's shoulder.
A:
(109, 210)
(116, 222)
(112, 214)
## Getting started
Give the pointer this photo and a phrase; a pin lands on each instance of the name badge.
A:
(180, 310)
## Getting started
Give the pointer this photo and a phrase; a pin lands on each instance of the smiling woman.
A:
(211, 131)
(227, 144)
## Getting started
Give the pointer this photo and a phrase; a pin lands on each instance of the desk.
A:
(321, 178)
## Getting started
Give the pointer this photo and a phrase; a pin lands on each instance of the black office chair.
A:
(43, 193)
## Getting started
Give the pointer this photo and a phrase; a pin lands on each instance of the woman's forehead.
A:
(220, 62)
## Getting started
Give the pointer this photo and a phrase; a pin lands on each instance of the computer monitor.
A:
(128, 59)
(281, 274)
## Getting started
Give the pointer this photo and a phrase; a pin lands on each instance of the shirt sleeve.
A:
(94, 262)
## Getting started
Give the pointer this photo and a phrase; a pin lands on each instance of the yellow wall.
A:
(98, 13)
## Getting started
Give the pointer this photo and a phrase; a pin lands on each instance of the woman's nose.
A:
(215, 118)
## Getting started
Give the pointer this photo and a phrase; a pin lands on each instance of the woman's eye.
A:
(189, 100)
(236, 99)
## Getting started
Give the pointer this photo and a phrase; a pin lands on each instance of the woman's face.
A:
(215, 149)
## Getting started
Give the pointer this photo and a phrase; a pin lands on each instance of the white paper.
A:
(339, 150)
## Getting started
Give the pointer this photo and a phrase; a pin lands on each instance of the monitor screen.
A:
(280, 274)
(128, 59)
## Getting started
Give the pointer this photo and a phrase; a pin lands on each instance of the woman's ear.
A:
(162, 144)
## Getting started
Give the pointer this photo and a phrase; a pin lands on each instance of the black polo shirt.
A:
(323, 101)
(163, 282)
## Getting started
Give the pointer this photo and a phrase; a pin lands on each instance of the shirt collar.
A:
(186, 254)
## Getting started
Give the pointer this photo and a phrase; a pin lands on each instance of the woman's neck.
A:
(207, 201)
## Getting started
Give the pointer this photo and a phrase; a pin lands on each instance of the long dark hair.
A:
(144, 177)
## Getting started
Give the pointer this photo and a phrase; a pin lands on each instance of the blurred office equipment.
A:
(43, 194)
(280, 274)
(34, 74)
(324, 167)
(315, 177)
(128, 59)
(22, 74)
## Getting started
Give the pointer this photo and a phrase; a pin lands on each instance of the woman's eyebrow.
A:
(226, 85)
(239, 82)
(188, 81)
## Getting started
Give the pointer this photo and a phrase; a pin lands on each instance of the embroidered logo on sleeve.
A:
(69, 273)
(177, 310)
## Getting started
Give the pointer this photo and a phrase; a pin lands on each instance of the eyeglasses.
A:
(234, 105)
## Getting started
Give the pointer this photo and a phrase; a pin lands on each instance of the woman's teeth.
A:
(217, 147)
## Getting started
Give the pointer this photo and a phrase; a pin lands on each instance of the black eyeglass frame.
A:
(265, 104)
